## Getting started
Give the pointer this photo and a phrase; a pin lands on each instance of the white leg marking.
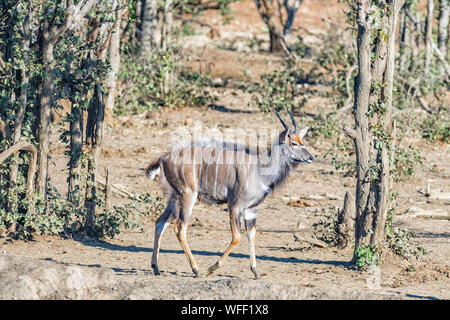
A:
(160, 227)
(250, 214)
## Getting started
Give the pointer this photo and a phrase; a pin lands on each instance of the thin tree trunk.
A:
(94, 138)
(43, 128)
(363, 138)
(428, 36)
(277, 42)
(149, 26)
(20, 115)
(166, 42)
(167, 25)
(444, 9)
(76, 144)
(372, 184)
(405, 43)
(114, 60)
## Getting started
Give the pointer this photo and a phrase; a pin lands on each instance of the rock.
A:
(27, 278)
(248, 290)
(316, 197)
(332, 196)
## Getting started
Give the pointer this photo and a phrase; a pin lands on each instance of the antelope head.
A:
(292, 140)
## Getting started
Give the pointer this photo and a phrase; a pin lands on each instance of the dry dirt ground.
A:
(290, 269)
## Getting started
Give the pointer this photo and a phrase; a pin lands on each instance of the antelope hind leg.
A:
(163, 221)
(236, 237)
(188, 202)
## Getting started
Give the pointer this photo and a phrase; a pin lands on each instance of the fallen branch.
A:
(117, 189)
(312, 241)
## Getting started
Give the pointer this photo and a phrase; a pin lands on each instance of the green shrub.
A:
(149, 83)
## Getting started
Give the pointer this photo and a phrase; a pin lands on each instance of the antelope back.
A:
(213, 170)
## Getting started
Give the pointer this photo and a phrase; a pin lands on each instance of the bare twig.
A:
(350, 133)
(417, 92)
(441, 58)
(349, 101)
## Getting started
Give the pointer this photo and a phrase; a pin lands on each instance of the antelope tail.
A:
(154, 168)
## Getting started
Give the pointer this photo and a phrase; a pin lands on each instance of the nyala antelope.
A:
(223, 172)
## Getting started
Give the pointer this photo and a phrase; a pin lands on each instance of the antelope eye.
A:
(294, 143)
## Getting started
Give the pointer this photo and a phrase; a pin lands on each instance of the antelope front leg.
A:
(250, 227)
(235, 238)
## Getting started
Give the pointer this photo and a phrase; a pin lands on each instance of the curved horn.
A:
(285, 125)
(293, 121)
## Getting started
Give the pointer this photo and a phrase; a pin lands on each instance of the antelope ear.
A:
(303, 132)
(282, 137)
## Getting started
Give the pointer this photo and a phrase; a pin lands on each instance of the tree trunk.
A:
(43, 128)
(114, 61)
(444, 9)
(24, 79)
(149, 38)
(277, 41)
(94, 139)
(165, 44)
(405, 43)
(372, 161)
(363, 138)
(428, 36)
(76, 144)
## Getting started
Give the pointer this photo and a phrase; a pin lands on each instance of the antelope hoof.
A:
(255, 273)
(156, 270)
(195, 272)
(213, 268)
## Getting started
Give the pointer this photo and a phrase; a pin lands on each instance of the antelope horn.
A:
(285, 125)
(293, 121)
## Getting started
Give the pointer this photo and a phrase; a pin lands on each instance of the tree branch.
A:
(25, 146)
(350, 133)
(74, 14)
(441, 58)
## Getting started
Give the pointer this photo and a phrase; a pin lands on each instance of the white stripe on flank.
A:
(215, 176)
(206, 174)
(228, 170)
(200, 171)
(248, 173)
(182, 170)
(193, 171)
